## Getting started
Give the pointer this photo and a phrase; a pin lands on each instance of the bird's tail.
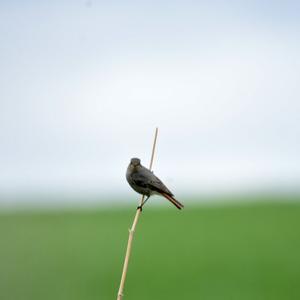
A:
(173, 200)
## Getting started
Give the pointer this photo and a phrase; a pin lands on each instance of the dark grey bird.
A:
(143, 181)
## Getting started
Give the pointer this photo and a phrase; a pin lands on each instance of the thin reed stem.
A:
(132, 229)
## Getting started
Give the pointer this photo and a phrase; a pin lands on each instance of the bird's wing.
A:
(158, 186)
(146, 179)
(154, 183)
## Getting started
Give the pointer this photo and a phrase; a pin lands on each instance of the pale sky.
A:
(85, 83)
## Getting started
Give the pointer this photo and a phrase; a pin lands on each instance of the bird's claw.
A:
(140, 207)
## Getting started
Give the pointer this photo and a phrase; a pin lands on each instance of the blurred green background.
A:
(240, 251)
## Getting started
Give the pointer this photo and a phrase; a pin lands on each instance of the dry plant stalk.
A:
(132, 230)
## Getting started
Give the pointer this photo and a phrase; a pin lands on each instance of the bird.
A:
(144, 182)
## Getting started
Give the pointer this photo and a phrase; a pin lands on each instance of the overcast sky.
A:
(85, 83)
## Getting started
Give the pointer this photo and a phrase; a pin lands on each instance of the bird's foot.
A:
(140, 207)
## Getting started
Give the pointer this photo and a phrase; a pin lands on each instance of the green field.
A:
(234, 251)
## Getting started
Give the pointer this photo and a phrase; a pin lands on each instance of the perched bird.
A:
(143, 181)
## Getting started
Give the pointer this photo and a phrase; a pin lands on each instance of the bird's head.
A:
(135, 162)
